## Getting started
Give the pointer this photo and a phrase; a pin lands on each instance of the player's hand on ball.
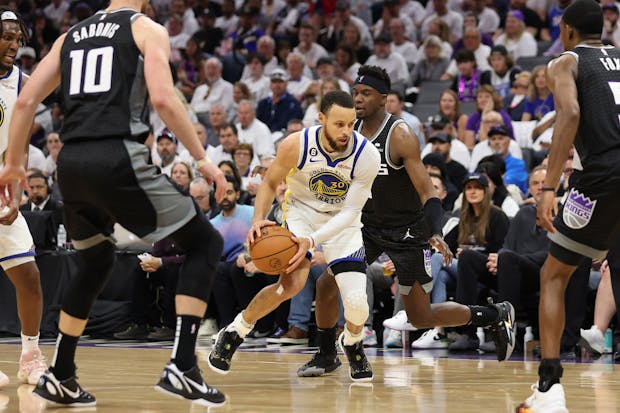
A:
(255, 230)
(441, 246)
(304, 244)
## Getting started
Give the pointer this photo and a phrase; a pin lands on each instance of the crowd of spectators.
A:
(250, 72)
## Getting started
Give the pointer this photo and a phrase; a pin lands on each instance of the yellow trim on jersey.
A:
(286, 202)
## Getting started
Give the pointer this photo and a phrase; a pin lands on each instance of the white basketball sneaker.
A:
(593, 340)
(551, 401)
(4, 379)
(399, 322)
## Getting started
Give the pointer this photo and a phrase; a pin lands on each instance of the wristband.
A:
(203, 162)
(311, 241)
(548, 188)
(433, 212)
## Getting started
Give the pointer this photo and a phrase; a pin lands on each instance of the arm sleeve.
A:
(358, 194)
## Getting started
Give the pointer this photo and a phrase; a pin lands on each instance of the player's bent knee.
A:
(356, 307)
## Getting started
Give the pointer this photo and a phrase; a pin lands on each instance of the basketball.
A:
(272, 251)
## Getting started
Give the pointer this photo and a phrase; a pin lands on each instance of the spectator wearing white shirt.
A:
(253, 131)
(611, 28)
(472, 40)
(228, 141)
(308, 47)
(326, 69)
(394, 104)
(439, 28)
(55, 11)
(214, 90)
(228, 21)
(400, 43)
(53, 145)
(311, 117)
(297, 83)
(257, 82)
(346, 66)
(343, 16)
(518, 41)
(190, 24)
(393, 63)
(414, 10)
(453, 19)
(178, 38)
(391, 11)
(488, 20)
(266, 49)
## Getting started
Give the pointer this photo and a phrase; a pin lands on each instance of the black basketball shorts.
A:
(110, 180)
(586, 221)
(410, 253)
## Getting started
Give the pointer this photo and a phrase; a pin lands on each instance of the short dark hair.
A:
(465, 55)
(586, 17)
(336, 97)
(375, 71)
(231, 126)
(234, 181)
(398, 95)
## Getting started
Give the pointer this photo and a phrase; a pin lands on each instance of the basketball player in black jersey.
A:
(585, 82)
(106, 67)
(402, 217)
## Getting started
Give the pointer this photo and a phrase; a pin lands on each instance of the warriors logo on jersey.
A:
(328, 186)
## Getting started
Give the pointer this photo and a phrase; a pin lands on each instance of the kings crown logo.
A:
(577, 210)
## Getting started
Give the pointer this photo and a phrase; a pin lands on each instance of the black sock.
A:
(326, 339)
(549, 373)
(64, 359)
(185, 342)
(482, 316)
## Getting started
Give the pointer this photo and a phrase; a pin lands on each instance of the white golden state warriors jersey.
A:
(320, 181)
(10, 85)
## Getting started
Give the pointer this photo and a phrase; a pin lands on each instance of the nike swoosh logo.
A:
(201, 388)
(74, 394)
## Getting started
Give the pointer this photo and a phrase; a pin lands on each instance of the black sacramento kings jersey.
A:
(395, 202)
(598, 137)
(103, 92)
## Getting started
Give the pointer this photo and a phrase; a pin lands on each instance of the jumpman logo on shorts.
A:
(408, 235)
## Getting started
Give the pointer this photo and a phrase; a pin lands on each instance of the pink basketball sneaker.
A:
(31, 366)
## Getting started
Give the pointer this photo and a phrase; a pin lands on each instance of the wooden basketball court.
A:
(265, 380)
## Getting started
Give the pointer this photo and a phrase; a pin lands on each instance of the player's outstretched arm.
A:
(42, 82)
(153, 42)
(561, 76)
(286, 159)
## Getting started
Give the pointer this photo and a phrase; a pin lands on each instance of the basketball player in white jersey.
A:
(329, 170)
(16, 245)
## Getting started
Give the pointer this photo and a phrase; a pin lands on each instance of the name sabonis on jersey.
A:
(100, 29)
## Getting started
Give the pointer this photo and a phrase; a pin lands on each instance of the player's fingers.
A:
(295, 261)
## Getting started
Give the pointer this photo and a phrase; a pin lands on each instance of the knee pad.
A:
(95, 268)
(352, 286)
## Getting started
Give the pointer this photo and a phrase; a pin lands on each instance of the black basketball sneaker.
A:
(503, 330)
(319, 365)
(66, 392)
(359, 367)
(223, 350)
(189, 385)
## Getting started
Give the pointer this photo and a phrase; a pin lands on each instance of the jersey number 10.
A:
(92, 74)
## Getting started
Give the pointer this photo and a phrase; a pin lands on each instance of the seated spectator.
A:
(390, 13)
(178, 38)
(257, 82)
(308, 47)
(503, 72)
(539, 99)
(458, 150)
(311, 118)
(493, 167)
(467, 80)
(254, 132)
(276, 110)
(439, 28)
(246, 36)
(435, 164)
(182, 174)
(40, 198)
(241, 92)
(472, 41)
(216, 119)
(487, 100)
(611, 28)
(201, 192)
(471, 20)
(514, 103)
(229, 168)
(499, 141)
(393, 63)
(450, 107)
(228, 141)
(167, 151)
(214, 90)
(346, 63)
(326, 69)
(518, 41)
(235, 285)
(533, 22)
(351, 36)
(453, 19)
(209, 37)
(401, 43)
(442, 143)
(266, 50)
(298, 82)
(481, 231)
(190, 70)
(482, 148)
(53, 144)
(394, 105)
(242, 156)
(487, 18)
(433, 63)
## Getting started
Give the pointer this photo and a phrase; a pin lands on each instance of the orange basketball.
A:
(272, 251)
